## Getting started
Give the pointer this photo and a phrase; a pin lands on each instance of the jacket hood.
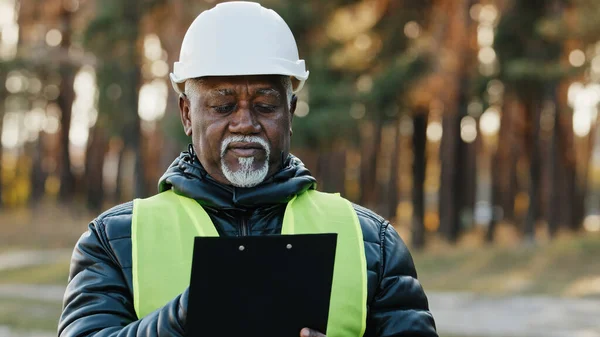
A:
(186, 176)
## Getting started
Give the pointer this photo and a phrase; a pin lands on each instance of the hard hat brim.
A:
(281, 67)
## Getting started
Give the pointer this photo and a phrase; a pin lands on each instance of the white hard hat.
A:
(238, 38)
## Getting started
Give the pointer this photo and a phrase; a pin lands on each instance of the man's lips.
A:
(240, 145)
(245, 149)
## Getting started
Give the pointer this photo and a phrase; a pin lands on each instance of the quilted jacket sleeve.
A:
(98, 300)
(400, 306)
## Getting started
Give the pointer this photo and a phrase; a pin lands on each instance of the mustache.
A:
(245, 139)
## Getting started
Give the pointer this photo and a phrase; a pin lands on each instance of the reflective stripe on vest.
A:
(163, 231)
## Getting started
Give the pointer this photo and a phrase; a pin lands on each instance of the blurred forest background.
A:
(453, 118)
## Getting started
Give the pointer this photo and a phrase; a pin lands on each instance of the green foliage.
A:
(524, 52)
(332, 92)
(18, 63)
(171, 124)
(112, 36)
(526, 69)
(329, 117)
(299, 15)
(396, 79)
(560, 27)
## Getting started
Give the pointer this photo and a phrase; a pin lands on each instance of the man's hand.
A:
(306, 332)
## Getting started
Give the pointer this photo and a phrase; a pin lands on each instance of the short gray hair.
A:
(191, 88)
(286, 81)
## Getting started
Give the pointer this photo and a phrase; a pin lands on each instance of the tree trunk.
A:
(556, 174)
(451, 193)
(171, 35)
(331, 167)
(140, 190)
(503, 167)
(419, 143)
(65, 102)
(513, 185)
(94, 170)
(508, 155)
(119, 183)
(38, 176)
(368, 170)
(489, 236)
(533, 110)
(2, 98)
(393, 190)
(133, 134)
(455, 102)
(566, 159)
(468, 184)
(337, 171)
(1, 154)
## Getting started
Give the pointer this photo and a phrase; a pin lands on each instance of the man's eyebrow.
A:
(223, 92)
(267, 92)
(213, 93)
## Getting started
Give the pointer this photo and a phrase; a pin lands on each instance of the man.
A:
(237, 77)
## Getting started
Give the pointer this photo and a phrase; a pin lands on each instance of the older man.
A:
(237, 77)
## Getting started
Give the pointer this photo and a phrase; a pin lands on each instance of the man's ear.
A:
(293, 103)
(185, 113)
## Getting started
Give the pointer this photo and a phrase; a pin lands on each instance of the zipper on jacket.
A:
(244, 226)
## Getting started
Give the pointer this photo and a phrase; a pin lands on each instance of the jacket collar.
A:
(186, 176)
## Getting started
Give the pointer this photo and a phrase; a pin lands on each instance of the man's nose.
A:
(244, 121)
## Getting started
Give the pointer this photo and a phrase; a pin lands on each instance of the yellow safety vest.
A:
(163, 231)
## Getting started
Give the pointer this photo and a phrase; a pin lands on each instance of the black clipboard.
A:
(268, 286)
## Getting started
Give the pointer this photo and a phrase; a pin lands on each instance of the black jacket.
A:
(98, 300)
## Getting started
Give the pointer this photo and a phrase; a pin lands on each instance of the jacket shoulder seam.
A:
(100, 225)
(122, 209)
(362, 211)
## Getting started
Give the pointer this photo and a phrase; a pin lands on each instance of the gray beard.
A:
(245, 176)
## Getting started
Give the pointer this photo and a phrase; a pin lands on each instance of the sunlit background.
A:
(472, 125)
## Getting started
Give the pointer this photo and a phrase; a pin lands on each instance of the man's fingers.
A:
(306, 332)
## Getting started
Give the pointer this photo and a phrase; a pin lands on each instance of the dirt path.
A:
(466, 314)
(49, 293)
(26, 258)
(6, 332)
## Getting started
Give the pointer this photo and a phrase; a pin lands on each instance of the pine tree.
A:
(114, 37)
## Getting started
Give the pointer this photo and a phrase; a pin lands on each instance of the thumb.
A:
(306, 332)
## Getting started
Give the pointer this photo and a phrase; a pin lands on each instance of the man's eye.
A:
(265, 108)
(225, 108)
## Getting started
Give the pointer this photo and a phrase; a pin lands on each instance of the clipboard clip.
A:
(241, 248)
